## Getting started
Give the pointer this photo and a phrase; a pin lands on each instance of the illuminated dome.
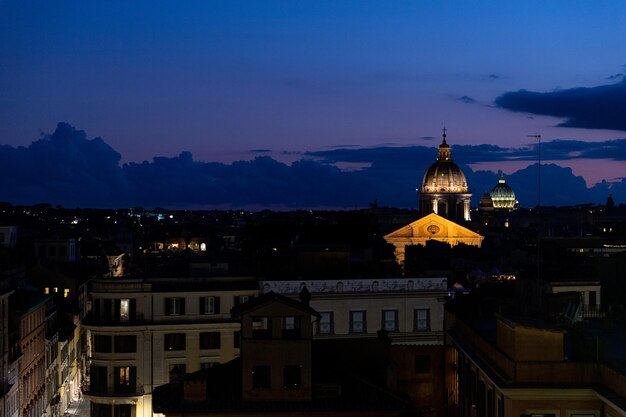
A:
(444, 176)
(444, 188)
(503, 196)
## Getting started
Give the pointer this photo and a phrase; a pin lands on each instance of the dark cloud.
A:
(427, 138)
(601, 107)
(494, 77)
(64, 166)
(260, 151)
(68, 168)
(466, 99)
(615, 77)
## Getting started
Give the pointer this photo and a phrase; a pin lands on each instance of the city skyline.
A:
(339, 85)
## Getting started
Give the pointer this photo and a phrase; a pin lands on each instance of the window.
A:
(291, 327)
(122, 410)
(174, 341)
(236, 339)
(326, 323)
(126, 344)
(98, 379)
(125, 378)
(292, 377)
(177, 372)
(206, 365)
(261, 377)
(209, 305)
(357, 322)
(422, 319)
(66, 292)
(261, 327)
(124, 309)
(174, 306)
(390, 320)
(239, 299)
(210, 340)
(101, 344)
(100, 410)
(422, 364)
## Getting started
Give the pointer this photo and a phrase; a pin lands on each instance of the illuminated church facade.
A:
(444, 188)
(444, 202)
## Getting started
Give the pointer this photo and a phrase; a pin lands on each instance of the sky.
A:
(231, 81)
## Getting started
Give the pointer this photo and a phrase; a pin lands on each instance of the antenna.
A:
(539, 226)
(538, 137)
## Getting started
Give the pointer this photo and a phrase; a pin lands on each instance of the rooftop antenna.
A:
(538, 137)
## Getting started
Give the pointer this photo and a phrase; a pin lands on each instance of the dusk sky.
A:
(229, 81)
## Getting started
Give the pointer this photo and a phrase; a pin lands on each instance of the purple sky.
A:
(222, 79)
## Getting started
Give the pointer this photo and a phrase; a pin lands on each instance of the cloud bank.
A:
(67, 168)
(601, 107)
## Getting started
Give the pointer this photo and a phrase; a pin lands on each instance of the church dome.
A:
(444, 176)
(503, 196)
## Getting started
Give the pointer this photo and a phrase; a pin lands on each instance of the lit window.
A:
(261, 327)
(203, 247)
(124, 309)
(66, 292)
(124, 375)
(56, 289)
(46, 290)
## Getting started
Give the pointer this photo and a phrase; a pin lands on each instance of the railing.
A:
(592, 312)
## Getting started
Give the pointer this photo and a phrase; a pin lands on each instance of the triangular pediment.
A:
(433, 226)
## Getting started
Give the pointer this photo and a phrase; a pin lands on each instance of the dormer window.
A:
(291, 327)
(261, 327)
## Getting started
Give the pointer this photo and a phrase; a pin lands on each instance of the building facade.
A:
(142, 333)
(408, 311)
(523, 370)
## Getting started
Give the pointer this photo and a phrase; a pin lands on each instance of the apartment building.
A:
(29, 313)
(519, 367)
(142, 333)
(281, 372)
(410, 311)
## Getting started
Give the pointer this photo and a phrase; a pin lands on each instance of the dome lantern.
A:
(444, 188)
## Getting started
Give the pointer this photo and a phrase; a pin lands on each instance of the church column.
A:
(435, 205)
(466, 209)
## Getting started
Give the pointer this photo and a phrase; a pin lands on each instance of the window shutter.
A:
(116, 316)
(133, 378)
(217, 305)
(133, 309)
(202, 305)
(96, 309)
